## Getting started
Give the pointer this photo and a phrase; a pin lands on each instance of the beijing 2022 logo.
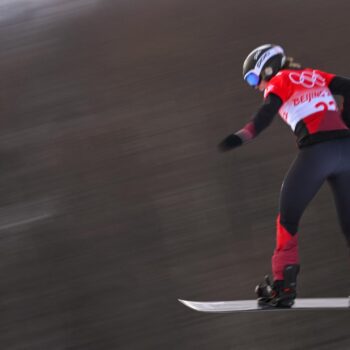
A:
(307, 79)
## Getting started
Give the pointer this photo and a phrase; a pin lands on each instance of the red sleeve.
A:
(279, 86)
(328, 76)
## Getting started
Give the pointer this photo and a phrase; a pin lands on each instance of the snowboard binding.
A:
(280, 293)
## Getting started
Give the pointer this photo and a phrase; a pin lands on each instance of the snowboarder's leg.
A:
(340, 185)
(303, 180)
(314, 164)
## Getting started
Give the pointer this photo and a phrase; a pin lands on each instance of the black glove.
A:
(230, 142)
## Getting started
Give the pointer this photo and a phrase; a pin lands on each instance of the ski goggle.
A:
(252, 77)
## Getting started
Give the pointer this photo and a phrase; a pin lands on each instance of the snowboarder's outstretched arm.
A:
(260, 121)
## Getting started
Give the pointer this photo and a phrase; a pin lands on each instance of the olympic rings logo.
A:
(307, 79)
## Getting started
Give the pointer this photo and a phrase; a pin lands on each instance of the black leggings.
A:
(314, 165)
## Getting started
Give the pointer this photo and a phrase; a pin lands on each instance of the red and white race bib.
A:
(303, 92)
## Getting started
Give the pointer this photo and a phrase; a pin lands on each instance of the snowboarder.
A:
(304, 99)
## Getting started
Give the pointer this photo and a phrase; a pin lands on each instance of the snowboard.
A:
(252, 305)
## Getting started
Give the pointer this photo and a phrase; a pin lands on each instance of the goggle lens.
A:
(252, 79)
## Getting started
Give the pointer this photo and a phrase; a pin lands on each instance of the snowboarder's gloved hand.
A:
(230, 142)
